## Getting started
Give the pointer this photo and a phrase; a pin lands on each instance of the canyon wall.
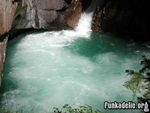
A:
(7, 11)
(47, 14)
(129, 17)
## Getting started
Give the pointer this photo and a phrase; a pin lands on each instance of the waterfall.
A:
(83, 28)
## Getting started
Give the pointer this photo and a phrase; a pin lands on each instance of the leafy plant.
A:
(81, 109)
(140, 81)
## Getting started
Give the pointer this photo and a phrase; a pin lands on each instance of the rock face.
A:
(97, 19)
(47, 14)
(72, 14)
(2, 55)
(7, 11)
(124, 17)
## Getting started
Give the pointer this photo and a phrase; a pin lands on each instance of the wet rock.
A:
(2, 55)
(72, 14)
(97, 19)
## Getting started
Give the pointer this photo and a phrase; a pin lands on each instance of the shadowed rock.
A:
(128, 17)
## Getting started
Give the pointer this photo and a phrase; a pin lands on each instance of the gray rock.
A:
(50, 4)
(38, 13)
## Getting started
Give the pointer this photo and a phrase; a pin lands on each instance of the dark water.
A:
(48, 69)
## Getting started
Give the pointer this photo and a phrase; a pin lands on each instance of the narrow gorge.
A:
(57, 52)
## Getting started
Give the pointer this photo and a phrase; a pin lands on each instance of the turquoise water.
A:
(48, 69)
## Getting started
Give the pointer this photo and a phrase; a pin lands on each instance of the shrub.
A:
(140, 81)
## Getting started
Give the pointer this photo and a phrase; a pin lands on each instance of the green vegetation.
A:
(139, 83)
(82, 109)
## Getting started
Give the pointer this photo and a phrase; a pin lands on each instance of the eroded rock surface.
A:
(48, 14)
(7, 11)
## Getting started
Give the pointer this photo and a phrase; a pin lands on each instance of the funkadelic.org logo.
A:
(126, 105)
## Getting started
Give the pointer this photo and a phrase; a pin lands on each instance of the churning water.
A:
(48, 69)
